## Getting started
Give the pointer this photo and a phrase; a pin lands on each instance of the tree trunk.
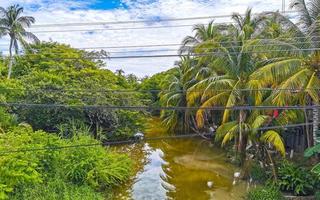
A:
(243, 139)
(307, 129)
(10, 60)
(274, 171)
(315, 127)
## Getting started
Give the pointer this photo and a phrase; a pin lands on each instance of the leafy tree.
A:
(150, 88)
(13, 24)
(48, 79)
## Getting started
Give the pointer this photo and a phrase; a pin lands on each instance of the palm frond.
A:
(313, 83)
(275, 139)
(223, 129)
(277, 72)
(213, 101)
(301, 7)
(297, 81)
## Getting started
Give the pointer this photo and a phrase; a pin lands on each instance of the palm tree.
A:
(256, 137)
(298, 69)
(174, 95)
(203, 33)
(232, 64)
(13, 24)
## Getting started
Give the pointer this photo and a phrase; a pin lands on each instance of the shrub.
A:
(258, 174)
(57, 189)
(57, 174)
(317, 195)
(264, 193)
(295, 179)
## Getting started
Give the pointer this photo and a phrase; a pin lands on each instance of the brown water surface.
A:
(180, 169)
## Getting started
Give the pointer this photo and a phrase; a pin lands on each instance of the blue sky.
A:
(106, 5)
(70, 11)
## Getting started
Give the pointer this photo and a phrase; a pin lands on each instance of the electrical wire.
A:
(109, 143)
(142, 108)
(170, 55)
(90, 91)
(146, 21)
(175, 50)
(179, 44)
(114, 29)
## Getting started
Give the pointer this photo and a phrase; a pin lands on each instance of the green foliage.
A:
(258, 174)
(73, 170)
(312, 151)
(42, 78)
(154, 83)
(317, 195)
(264, 193)
(57, 189)
(295, 179)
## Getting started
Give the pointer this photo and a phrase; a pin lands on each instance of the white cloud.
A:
(59, 11)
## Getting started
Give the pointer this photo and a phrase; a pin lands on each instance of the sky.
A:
(83, 11)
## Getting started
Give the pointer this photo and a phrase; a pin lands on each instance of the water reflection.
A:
(181, 169)
(151, 181)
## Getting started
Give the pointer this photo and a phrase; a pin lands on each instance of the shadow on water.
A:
(180, 169)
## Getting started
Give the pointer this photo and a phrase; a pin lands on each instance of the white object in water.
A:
(210, 184)
(139, 135)
(234, 182)
(236, 175)
(211, 129)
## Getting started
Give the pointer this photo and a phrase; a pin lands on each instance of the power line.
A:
(175, 50)
(172, 55)
(115, 29)
(213, 42)
(141, 108)
(109, 143)
(156, 90)
(143, 21)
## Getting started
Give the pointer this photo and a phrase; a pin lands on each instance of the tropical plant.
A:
(174, 95)
(295, 179)
(203, 33)
(231, 66)
(12, 23)
(264, 193)
(313, 151)
(296, 69)
(60, 173)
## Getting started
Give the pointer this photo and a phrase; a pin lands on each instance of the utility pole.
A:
(283, 6)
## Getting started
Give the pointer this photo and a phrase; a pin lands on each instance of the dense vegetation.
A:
(257, 61)
(262, 60)
(71, 173)
(52, 108)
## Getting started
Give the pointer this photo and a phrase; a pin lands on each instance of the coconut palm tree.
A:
(299, 68)
(232, 64)
(174, 95)
(203, 33)
(13, 24)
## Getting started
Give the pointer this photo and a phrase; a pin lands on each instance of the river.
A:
(180, 169)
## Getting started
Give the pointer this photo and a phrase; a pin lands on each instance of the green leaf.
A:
(312, 151)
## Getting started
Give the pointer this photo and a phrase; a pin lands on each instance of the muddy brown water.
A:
(180, 169)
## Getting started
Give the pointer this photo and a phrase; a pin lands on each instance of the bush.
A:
(258, 174)
(57, 189)
(317, 195)
(295, 179)
(264, 193)
(60, 174)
